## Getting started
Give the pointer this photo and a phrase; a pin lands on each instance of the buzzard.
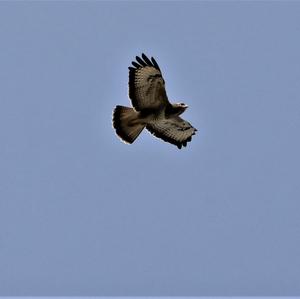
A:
(151, 107)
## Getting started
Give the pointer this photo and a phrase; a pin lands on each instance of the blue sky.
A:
(83, 214)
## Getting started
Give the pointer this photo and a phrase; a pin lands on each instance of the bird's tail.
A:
(127, 123)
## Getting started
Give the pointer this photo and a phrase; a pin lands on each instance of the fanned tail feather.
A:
(127, 124)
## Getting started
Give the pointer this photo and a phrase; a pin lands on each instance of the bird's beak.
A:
(185, 106)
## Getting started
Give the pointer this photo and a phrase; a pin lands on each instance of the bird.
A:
(151, 108)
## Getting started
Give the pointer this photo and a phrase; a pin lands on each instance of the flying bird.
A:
(151, 107)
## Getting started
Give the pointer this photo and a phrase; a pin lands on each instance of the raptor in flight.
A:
(151, 107)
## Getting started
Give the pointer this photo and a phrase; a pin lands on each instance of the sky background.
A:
(82, 214)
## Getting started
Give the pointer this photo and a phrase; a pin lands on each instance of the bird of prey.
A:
(151, 107)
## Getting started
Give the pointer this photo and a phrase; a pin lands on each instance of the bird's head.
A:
(180, 107)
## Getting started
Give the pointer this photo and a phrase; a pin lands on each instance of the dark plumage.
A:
(151, 107)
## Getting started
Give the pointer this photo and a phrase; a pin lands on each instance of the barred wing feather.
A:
(146, 85)
(174, 130)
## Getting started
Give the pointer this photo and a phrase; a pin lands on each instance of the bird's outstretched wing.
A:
(174, 130)
(146, 85)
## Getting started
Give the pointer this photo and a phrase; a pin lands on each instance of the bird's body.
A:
(151, 107)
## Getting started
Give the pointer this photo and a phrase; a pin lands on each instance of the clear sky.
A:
(81, 213)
